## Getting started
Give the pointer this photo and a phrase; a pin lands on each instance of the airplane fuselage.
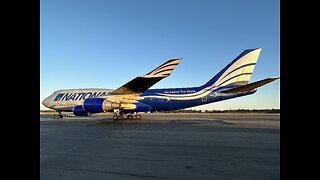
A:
(153, 99)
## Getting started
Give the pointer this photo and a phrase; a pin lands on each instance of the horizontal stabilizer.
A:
(250, 86)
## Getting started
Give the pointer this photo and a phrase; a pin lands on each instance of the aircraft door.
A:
(204, 98)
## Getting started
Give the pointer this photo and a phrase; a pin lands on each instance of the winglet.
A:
(164, 69)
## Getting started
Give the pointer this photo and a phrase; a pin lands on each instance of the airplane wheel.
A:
(138, 116)
(115, 118)
(130, 117)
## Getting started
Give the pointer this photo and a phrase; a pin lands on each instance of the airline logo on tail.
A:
(241, 69)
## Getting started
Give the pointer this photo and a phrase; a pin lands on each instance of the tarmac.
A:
(161, 146)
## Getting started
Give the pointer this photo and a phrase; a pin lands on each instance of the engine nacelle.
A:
(79, 111)
(97, 105)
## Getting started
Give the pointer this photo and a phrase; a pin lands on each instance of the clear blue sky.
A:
(106, 43)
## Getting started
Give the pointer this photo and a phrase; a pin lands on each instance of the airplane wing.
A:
(250, 86)
(142, 83)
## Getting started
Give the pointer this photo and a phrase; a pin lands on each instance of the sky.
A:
(106, 43)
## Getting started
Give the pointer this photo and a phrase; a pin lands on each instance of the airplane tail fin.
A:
(238, 72)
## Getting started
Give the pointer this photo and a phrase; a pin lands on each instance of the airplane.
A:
(135, 96)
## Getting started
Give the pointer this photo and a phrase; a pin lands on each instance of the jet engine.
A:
(97, 105)
(79, 111)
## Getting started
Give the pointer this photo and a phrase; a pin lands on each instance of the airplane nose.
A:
(45, 102)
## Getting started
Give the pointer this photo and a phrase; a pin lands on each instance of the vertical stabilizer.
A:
(238, 72)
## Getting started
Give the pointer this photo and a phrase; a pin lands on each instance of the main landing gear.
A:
(118, 115)
(134, 116)
(59, 116)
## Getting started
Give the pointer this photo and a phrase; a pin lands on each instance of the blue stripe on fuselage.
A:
(166, 104)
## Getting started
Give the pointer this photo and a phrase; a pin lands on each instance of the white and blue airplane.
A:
(135, 96)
